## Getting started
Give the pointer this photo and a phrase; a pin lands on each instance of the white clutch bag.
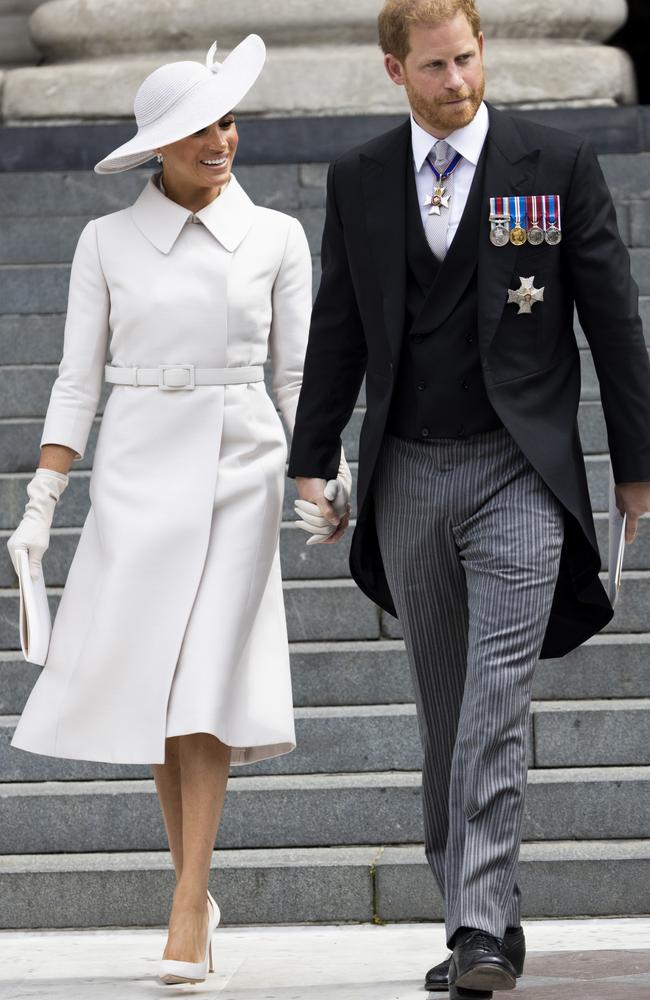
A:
(35, 621)
(617, 523)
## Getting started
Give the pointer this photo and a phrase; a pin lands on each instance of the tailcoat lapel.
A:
(510, 168)
(384, 195)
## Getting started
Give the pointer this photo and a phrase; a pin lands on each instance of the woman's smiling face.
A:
(203, 159)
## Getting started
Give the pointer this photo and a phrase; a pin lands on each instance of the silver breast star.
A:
(526, 296)
(438, 200)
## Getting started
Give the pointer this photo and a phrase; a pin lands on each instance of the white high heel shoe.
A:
(172, 971)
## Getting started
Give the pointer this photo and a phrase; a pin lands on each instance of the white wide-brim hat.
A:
(180, 98)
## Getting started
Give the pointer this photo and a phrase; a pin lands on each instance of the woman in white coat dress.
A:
(170, 646)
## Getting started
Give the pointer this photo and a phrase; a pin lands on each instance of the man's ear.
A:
(394, 69)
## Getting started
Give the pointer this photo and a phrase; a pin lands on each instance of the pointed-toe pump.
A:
(172, 971)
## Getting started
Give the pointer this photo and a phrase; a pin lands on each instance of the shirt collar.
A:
(228, 217)
(468, 141)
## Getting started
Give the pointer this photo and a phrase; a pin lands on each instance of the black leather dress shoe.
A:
(478, 963)
(513, 947)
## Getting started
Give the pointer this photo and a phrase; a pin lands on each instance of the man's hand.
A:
(317, 514)
(632, 499)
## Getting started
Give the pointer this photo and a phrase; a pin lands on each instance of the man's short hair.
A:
(397, 16)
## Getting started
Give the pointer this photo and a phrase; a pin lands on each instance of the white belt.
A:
(172, 377)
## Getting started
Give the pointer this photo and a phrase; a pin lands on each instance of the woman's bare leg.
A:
(168, 785)
(203, 766)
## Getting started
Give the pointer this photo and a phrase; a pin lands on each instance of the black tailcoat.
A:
(530, 363)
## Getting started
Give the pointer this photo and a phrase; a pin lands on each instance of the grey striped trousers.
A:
(470, 537)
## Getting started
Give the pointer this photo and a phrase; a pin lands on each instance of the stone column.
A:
(323, 55)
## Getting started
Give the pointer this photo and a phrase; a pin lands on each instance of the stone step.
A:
(376, 672)
(299, 561)
(557, 878)
(317, 610)
(307, 811)
(20, 438)
(322, 610)
(340, 739)
(631, 608)
(72, 508)
(584, 733)
(305, 885)
(37, 338)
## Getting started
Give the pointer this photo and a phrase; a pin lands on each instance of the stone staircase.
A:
(333, 831)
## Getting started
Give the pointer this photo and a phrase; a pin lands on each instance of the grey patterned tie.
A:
(435, 228)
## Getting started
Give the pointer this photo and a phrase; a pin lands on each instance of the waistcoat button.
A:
(425, 432)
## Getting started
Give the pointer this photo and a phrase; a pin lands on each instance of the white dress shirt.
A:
(468, 141)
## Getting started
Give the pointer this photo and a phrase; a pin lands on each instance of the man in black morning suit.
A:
(474, 522)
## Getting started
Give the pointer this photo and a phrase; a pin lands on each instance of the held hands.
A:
(632, 499)
(33, 532)
(324, 507)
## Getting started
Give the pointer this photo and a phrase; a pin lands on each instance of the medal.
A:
(439, 199)
(526, 295)
(499, 222)
(535, 232)
(518, 233)
(553, 233)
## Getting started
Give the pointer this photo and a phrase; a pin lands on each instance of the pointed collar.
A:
(228, 217)
(468, 141)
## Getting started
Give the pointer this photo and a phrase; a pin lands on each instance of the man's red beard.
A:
(442, 116)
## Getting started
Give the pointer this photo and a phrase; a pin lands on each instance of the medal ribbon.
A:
(551, 211)
(518, 209)
(533, 209)
(450, 168)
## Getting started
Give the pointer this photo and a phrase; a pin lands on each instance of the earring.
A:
(159, 157)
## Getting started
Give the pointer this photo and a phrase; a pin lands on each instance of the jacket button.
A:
(469, 338)
(460, 431)
(425, 432)
(465, 384)
(421, 385)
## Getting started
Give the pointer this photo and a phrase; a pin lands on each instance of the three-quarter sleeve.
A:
(77, 389)
(289, 332)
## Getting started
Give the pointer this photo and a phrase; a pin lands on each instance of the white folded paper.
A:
(616, 543)
(35, 620)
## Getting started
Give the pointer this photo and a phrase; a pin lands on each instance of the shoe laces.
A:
(482, 939)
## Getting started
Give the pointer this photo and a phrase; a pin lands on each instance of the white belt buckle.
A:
(189, 384)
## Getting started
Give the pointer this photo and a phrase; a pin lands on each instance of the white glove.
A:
(33, 532)
(338, 492)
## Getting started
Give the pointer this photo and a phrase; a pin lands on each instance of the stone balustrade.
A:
(323, 56)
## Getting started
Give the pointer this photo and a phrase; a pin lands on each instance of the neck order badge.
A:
(439, 199)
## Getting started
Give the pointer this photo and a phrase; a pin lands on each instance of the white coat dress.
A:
(172, 617)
